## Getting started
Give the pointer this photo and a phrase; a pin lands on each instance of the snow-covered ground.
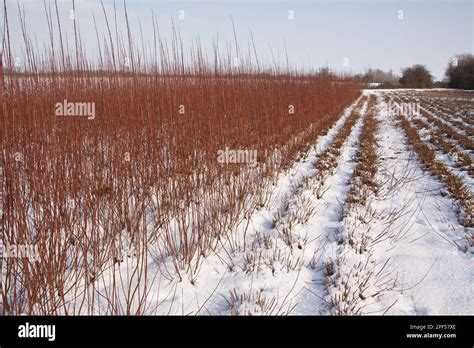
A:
(431, 274)
(418, 258)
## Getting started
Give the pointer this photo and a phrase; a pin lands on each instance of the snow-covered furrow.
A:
(450, 118)
(323, 226)
(451, 112)
(352, 277)
(447, 105)
(451, 140)
(418, 232)
(444, 121)
(445, 158)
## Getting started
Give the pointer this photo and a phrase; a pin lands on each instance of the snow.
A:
(274, 262)
(433, 275)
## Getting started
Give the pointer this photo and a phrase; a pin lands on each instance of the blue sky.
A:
(368, 33)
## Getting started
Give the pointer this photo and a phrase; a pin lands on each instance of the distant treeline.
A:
(459, 74)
